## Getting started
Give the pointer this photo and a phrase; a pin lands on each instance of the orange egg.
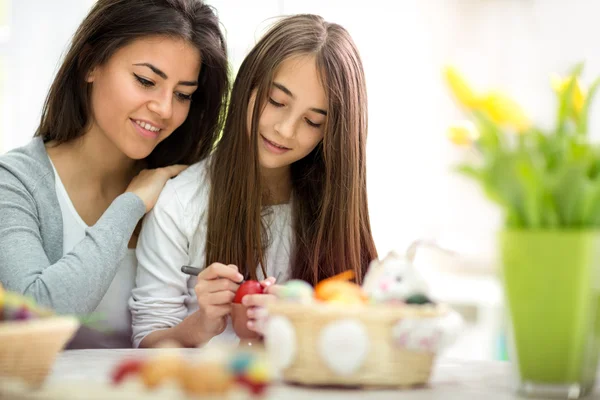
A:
(157, 371)
(206, 378)
(345, 298)
(328, 289)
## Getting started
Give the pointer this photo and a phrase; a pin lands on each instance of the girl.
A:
(140, 91)
(283, 196)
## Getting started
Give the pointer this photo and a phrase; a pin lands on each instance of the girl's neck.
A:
(93, 160)
(278, 184)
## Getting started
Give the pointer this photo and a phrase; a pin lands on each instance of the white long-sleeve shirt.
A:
(174, 234)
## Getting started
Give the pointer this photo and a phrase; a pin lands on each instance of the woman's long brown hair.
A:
(113, 24)
(332, 232)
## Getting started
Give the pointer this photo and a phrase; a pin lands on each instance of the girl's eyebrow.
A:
(289, 93)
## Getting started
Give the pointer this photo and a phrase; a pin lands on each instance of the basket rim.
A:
(56, 323)
(375, 310)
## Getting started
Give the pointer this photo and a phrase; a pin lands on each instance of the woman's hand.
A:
(215, 291)
(257, 303)
(150, 182)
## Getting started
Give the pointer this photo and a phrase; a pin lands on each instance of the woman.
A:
(284, 194)
(139, 94)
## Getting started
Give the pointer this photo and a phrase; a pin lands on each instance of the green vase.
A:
(552, 289)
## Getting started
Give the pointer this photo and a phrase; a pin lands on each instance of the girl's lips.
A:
(270, 146)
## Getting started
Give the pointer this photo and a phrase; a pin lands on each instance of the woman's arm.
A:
(77, 282)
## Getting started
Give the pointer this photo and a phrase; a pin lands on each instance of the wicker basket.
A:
(385, 365)
(28, 348)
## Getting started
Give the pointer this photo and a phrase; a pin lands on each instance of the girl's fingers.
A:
(219, 298)
(257, 300)
(274, 290)
(220, 311)
(257, 313)
(221, 285)
(218, 270)
(268, 282)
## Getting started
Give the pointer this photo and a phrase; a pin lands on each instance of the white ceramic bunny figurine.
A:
(394, 279)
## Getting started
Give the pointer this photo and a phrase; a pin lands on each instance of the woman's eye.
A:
(276, 104)
(143, 81)
(183, 96)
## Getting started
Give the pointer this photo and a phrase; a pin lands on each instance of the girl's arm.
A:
(159, 302)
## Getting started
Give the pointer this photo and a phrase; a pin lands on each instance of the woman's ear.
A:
(90, 75)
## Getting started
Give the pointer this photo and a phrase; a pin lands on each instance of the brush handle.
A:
(186, 269)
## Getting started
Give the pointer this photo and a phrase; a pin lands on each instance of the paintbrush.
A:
(194, 271)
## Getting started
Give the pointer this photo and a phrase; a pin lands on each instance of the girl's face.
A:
(143, 92)
(291, 124)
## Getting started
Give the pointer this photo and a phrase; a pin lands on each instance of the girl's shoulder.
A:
(189, 190)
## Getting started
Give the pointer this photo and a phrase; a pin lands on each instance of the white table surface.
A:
(451, 379)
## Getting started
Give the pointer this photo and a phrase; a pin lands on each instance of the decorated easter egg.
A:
(157, 371)
(298, 291)
(2, 294)
(258, 371)
(326, 290)
(240, 362)
(125, 369)
(22, 314)
(248, 287)
(205, 378)
(345, 298)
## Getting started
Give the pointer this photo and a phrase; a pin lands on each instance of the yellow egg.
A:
(258, 371)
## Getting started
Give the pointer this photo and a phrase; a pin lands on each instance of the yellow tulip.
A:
(578, 96)
(460, 87)
(504, 111)
(463, 133)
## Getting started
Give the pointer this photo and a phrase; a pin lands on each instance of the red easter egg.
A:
(127, 367)
(248, 287)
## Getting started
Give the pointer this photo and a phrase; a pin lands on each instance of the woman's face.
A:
(143, 93)
(292, 121)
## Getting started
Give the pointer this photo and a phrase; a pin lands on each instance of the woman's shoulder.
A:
(28, 166)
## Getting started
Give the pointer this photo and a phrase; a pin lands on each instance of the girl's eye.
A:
(183, 97)
(143, 81)
(276, 104)
(309, 122)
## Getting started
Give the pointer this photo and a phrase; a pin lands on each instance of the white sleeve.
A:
(158, 299)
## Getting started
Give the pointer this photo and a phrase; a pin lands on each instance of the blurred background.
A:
(514, 45)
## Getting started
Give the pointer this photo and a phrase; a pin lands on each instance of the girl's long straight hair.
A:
(332, 232)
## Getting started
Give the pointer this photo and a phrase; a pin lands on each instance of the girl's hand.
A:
(150, 182)
(257, 303)
(215, 291)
